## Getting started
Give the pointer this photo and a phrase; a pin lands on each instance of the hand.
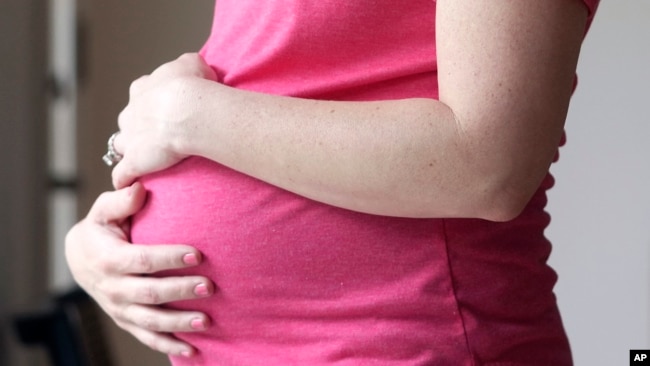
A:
(159, 105)
(113, 272)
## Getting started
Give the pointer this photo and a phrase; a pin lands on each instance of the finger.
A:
(206, 70)
(117, 206)
(170, 68)
(124, 118)
(138, 85)
(187, 64)
(124, 174)
(160, 342)
(118, 141)
(147, 259)
(197, 62)
(156, 319)
(154, 291)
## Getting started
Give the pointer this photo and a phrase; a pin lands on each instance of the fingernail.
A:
(190, 259)
(186, 353)
(197, 324)
(201, 290)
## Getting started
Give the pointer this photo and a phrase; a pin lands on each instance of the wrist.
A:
(185, 131)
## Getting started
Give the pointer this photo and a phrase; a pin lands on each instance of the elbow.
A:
(504, 211)
(505, 203)
(503, 189)
(481, 201)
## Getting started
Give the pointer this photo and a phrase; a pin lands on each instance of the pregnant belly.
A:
(289, 270)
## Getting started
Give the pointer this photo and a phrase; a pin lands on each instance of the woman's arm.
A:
(114, 273)
(506, 72)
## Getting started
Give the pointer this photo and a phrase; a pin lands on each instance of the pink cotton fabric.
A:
(304, 283)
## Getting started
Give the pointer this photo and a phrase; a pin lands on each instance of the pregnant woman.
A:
(352, 182)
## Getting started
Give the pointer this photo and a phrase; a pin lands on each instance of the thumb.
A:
(117, 206)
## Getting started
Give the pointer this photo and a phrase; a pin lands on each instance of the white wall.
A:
(601, 202)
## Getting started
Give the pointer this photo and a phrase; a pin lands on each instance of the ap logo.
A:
(639, 357)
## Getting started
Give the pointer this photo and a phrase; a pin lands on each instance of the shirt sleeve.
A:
(592, 5)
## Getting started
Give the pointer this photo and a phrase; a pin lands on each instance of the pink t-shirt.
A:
(304, 283)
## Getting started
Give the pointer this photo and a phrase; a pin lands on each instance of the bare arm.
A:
(506, 71)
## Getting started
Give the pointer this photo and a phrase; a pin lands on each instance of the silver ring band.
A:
(112, 157)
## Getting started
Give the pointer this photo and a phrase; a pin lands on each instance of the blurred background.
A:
(65, 69)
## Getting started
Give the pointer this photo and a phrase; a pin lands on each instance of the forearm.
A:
(481, 151)
(398, 158)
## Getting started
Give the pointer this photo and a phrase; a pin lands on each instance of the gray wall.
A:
(23, 256)
(601, 203)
